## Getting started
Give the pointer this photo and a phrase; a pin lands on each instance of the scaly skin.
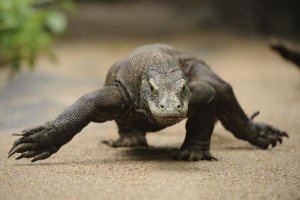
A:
(154, 87)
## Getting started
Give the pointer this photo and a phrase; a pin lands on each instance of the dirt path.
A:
(85, 169)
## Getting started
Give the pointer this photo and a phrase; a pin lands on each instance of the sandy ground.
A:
(86, 169)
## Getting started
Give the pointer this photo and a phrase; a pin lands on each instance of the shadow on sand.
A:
(126, 154)
(149, 153)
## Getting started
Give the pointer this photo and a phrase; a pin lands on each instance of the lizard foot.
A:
(262, 135)
(38, 143)
(188, 155)
(128, 141)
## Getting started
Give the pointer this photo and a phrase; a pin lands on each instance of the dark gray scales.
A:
(154, 87)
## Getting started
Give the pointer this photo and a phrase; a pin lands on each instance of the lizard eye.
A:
(152, 85)
(184, 89)
(151, 88)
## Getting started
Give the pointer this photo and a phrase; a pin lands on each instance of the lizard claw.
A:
(188, 155)
(264, 135)
(255, 114)
(35, 143)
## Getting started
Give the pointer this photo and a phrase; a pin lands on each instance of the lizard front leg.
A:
(41, 142)
(200, 124)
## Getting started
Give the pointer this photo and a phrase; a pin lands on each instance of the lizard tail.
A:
(286, 50)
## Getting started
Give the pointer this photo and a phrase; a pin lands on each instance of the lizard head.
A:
(165, 94)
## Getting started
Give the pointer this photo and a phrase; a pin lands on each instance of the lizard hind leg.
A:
(129, 137)
(235, 120)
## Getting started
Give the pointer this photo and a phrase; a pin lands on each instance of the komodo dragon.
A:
(154, 87)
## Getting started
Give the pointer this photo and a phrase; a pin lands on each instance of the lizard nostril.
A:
(161, 106)
(178, 106)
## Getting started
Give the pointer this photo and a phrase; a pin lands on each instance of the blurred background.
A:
(163, 17)
(28, 27)
(51, 52)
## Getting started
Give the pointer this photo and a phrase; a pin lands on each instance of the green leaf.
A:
(28, 28)
(56, 23)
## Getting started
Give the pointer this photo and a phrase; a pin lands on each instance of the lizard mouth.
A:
(168, 120)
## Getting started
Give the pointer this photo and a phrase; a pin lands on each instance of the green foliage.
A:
(27, 28)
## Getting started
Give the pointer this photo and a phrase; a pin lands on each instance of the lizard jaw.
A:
(168, 120)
